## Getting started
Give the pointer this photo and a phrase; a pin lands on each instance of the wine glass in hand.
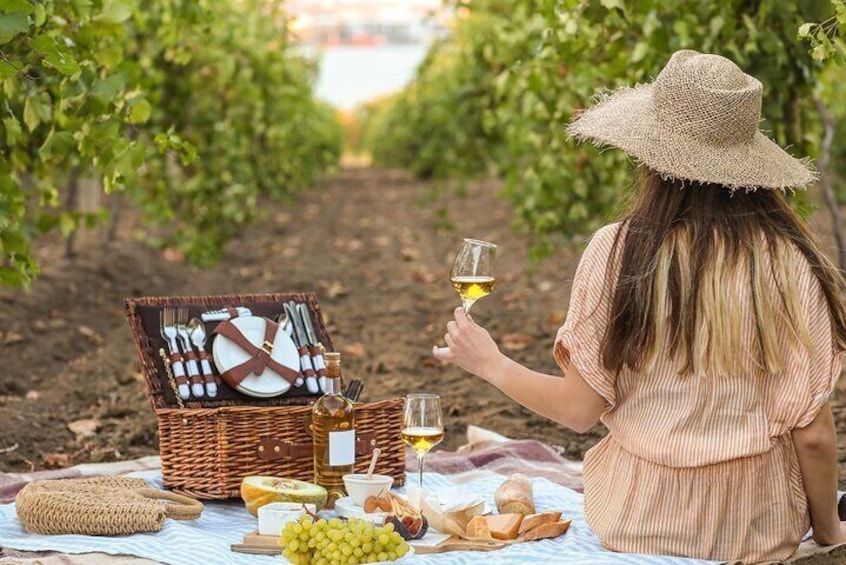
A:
(472, 273)
(422, 428)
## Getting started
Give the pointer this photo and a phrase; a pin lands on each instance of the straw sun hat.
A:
(698, 120)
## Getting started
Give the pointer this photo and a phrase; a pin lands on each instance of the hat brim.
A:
(627, 120)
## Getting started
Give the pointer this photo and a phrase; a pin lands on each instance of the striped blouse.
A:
(694, 465)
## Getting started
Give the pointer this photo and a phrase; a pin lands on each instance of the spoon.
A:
(285, 325)
(376, 453)
(197, 331)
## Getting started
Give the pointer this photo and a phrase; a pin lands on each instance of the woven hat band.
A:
(708, 98)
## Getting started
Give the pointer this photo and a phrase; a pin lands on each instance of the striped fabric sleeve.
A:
(579, 340)
(825, 365)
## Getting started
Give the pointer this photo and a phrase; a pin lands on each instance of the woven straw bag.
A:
(100, 506)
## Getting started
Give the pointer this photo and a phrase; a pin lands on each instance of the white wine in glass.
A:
(422, 428)
(472, 274)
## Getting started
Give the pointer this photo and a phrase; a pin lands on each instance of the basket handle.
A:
(182, 507)
(271, 449)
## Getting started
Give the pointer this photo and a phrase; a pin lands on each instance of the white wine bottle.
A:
(333, 423)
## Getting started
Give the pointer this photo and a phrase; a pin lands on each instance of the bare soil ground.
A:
(377, 247)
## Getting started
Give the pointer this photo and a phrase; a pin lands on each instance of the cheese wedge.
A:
(551, 530)
(532, 521)
(478, 528)
(504, 526)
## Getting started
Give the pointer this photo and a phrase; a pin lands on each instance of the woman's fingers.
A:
(461, 317)
(442, 353)
(449, 340)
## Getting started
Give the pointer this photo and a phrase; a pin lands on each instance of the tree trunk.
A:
(826, 184)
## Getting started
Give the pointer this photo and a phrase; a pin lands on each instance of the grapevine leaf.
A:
(37, 109)
(140, 112)
(15, 7)
(613, 4)
(55, 54)
(108, 89)
(40, 15)
(14, 133)
(67, 223)
(114, 12)
(7, 70)
(12, 24)
(58, 145)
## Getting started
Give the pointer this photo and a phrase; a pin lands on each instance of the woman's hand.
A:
(471, 347)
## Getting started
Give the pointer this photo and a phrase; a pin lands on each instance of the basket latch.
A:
(271, 449)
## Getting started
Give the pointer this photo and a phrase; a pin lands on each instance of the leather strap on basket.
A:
(271, 449)
(259, 357)
(182, 507)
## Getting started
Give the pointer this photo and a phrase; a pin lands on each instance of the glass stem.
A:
(420, 457)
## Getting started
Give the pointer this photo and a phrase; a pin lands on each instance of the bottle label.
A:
(341, 448)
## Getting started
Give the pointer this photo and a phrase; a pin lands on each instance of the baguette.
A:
(514, 496)
(545, 531)
(534, 520)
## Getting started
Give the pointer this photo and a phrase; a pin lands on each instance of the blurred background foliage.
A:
(496, 94)
(192, 109)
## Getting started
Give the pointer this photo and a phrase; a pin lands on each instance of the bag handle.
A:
(182, 507)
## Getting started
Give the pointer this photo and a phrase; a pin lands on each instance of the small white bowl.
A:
(273, 517)
(359, 487)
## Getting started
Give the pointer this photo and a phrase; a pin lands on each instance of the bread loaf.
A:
(534, 520)
(478, 528)
(504, 526)
(515, 496)
(551, 530)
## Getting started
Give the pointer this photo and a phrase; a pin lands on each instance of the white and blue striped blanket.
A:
(207, 541)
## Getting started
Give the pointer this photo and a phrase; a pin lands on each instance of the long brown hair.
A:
(678, 247)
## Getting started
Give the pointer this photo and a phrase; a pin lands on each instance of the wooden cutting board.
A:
(269, 545)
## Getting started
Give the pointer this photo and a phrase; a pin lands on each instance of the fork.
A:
(197, 387)
(168, 332)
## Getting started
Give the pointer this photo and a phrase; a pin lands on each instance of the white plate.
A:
(227, 355)
(400, 560)
(348, 509)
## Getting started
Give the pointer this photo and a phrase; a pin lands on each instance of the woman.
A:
(704, 330)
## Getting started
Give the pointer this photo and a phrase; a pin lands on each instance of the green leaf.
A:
(640, 51)
(613, 4)
(40, 15)
(108, 89)
(114, 12)
(67, 223)
(14, 133)
(7, 70)
(140, 112)
(11, 25)
(819, 53)
(37, 109)
(16, 7)
(59, 144)
(56, 55)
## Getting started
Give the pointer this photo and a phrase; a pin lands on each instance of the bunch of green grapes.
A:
(336, 542)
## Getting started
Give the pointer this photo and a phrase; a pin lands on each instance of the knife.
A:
(313, 346)
(300, 340)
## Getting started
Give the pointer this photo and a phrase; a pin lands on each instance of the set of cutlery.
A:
(187, 356)
(295, 321)
(196, 374)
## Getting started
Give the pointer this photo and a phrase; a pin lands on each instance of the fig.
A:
(410, 527)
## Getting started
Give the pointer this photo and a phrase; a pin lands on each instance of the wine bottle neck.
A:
(333, 385)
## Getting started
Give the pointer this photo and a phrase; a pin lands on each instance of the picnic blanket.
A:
(477, 467)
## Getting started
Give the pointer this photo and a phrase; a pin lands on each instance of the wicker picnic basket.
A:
(209, 445)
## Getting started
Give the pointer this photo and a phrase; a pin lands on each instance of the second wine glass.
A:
(422, 429)
(472, 274)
